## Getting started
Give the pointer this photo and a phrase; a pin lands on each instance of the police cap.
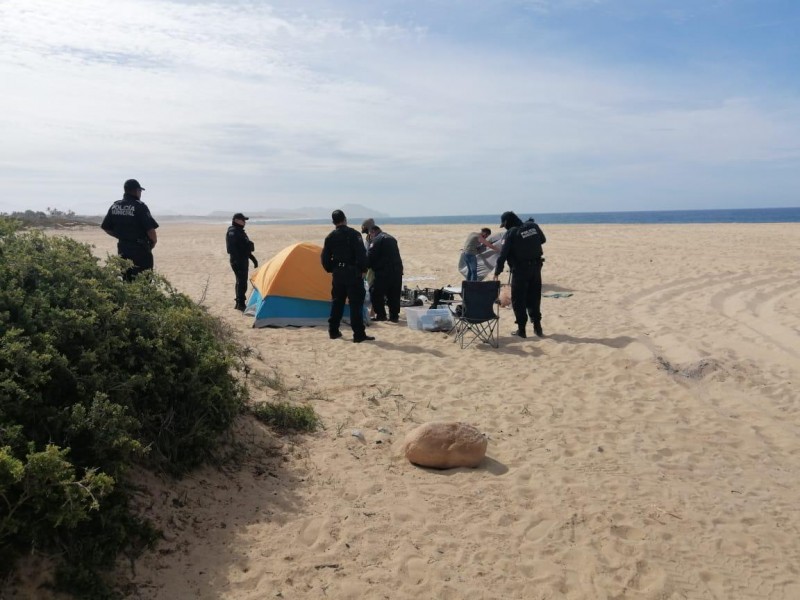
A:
(132, 185)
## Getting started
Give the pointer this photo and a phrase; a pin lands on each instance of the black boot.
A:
(520, 332)
(537, 329)
(240, 306)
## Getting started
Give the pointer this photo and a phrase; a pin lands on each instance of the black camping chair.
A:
(478, 320)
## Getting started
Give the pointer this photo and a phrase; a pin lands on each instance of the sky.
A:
(430, 107)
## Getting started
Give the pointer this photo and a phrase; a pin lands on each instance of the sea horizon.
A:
(641, 217)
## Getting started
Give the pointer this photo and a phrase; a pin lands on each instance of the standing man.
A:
(384, 259)
(343, 256)
(475, 244)
(522, 248)
(366, 225)
(241, 250)
(129, 221)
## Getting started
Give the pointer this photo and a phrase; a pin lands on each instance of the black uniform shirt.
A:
(129, 220)
(384, 253)
(522, 246)
(343, 247)
(239, 245)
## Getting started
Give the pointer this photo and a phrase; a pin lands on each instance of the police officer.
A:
(384, 259)
(522, 248)
(129, 221)
(240, 249)
(344, 256)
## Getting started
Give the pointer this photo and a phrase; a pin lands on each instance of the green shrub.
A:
(284, 416)
(96, 374)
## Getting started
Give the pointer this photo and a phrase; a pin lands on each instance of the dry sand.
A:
(647, 447)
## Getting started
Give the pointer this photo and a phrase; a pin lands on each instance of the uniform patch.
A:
(123, 210)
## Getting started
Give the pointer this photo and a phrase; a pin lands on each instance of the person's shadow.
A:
(617, 342)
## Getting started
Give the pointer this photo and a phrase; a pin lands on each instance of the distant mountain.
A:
(353, 212)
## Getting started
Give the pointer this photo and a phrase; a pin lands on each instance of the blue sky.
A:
(430, 107)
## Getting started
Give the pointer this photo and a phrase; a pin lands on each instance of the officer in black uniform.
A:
(344, 256)
(384, 259)
(240, 249)
(522, 248)
(129, 221)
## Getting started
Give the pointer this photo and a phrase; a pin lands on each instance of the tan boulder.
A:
(445, 445)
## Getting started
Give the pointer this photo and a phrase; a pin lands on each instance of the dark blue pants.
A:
(348, 284)
(140, 255)
(385, 290)
(240, 268)
(526, 293)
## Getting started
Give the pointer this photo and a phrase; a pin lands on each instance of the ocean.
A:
(725, 215)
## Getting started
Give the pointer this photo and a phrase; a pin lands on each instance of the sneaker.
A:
(335, 335)
(519, 333)
(366, 338)
(537, 329)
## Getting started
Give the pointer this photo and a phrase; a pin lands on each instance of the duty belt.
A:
(343, 264)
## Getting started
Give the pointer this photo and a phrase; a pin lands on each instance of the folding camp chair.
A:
(478, 320)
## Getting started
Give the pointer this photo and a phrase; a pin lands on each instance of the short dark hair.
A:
(486, 231)
(374, 228)
(367, 224)
(338, 217)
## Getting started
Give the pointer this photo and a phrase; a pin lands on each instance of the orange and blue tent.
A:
(292, 289)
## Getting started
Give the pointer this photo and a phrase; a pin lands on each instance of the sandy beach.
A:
(647, 447)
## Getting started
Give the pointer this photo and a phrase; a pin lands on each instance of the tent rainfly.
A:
(292, 290)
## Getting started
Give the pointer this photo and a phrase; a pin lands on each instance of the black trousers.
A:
(348, 284)
(139, 254)
(526, 293)
(385, 290)
(240, 268)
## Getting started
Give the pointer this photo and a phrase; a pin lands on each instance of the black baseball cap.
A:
(132, 185)
(509, 219)
(240, 216)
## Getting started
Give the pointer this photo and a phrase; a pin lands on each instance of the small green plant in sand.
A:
(274, 381)
(286, 417)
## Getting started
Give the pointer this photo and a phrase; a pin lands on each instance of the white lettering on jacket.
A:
(123, 211)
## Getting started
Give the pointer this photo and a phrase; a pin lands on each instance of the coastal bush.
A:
(285, 416)
(97, 375)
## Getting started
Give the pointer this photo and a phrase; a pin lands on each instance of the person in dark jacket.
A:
(343, 255)
(129, 220)
(240, 249)
(522, 249)
(384, 259)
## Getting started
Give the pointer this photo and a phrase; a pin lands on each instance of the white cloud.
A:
(280, 108)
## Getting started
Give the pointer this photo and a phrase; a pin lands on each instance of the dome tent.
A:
(292, 290)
